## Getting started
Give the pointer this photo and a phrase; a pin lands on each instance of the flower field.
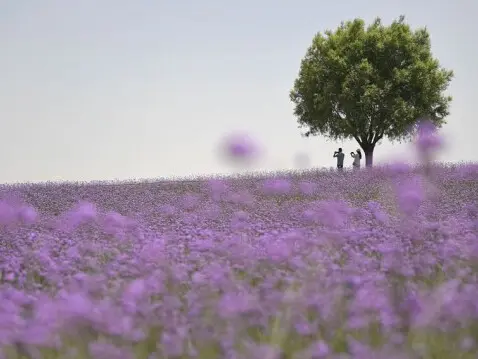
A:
(380, 263)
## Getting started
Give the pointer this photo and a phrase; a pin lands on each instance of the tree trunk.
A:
(368, 151)
(369, 158)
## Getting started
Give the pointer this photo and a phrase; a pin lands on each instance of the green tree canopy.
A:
(368, 83)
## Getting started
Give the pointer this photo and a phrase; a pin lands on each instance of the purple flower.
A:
(428, 140)
(333, 214)
(277, 186)
(28, 214)
(321, 349)
(135, 289)
(86, 211)
(217, 188)
(172, 344)
(278, 251)
(113, 223)
(307, 188)
(399, 168)
(78, 306)
(240, 146)
(7, 213)
(410, 197)
(232, 305)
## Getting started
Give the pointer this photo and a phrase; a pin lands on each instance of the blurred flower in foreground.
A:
(410, 197)
(307, 188)
(7, 213)
(27, 214)
(428, 141)
(239, 147)
(398, 168)
(113, 223)
(83, 212)
(86, 211)
(276, 186)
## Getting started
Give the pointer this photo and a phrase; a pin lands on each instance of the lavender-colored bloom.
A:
(113, 223)
(86, 211)
(410, 197)
(28, 214)
(307, 188)
(277, 186)
(399, 168)
(321, 349)
(172, 345)
(240, 146)
(232, 304)
(428, 139)
(133, 293)
(7, 213)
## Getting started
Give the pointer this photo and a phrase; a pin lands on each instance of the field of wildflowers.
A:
(379, 263)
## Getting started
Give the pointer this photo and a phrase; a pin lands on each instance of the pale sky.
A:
(103, 89)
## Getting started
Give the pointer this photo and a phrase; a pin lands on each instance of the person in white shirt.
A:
(357, 157)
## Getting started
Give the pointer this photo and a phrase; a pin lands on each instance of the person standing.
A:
(357, 157)
(340, 159)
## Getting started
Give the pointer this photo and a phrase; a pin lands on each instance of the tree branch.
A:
(377, 137)
(370, 130)
(359, 140)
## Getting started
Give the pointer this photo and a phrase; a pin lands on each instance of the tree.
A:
(368, 83)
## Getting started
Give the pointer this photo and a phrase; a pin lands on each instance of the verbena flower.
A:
(428, 139)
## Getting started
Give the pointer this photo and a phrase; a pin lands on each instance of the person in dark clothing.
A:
(340, 159)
